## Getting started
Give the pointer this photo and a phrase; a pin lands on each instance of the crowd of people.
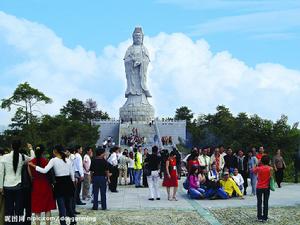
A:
(132, 139)
(222, 174)
(32, 183)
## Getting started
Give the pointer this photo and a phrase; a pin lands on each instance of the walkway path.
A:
(131, 198)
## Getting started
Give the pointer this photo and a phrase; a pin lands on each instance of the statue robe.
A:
(136, 75)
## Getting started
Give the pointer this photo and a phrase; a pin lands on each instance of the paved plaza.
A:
(131, 206)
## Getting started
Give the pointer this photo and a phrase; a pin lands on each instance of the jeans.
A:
(131, 175)
(65, 208)
(262, 195)
(219, 192)
(14, 206)
(99, 182)
(137, 177)
(153, 184)
(196, 193)
(253, 179)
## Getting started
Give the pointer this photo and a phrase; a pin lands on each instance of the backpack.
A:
(186, 184)
(25, 176)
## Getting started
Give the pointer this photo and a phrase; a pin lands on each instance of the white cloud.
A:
(182, 72)
(259, 24)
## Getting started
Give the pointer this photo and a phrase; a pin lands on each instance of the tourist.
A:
(279, 166)
(239, 180)
(260, 153)
(87, 176)
(222, 151)
(229, 186)
(195, 191)
(178, 162)
(218, 159)
(153, 164)
(100, 175)
(164, 153)
(171, 177)
(113, 167)
(70, 153)
(10, 182)
(202, 176)
(138, 166)
(253, 150)
(131, 168)
(26, 189)
(193, 160)
(230, 161)
(145, 183)
(122, 166)
(42, 199)
(263, 172)
(204, 160)
(243, 168)
(79, 175)
(64, 187)
(252, 162)
(212, 182)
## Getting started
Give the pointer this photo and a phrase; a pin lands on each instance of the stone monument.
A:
(136, 61)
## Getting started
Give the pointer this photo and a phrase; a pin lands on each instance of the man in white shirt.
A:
(113, 161)
(78, 174)
(204, 160)
(87, 176)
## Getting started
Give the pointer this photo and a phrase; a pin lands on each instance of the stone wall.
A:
(172, 128)
(107, 128)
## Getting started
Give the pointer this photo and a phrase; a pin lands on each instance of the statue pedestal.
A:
(137, 108)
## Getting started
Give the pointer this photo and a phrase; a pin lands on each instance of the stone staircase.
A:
(144, 130)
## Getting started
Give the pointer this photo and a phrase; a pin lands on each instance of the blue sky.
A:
(241, 53)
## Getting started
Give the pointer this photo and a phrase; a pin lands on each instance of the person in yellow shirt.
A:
(230, 186)
(138, 166)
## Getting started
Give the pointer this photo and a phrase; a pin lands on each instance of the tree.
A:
(77, 110)
(92, 111)
(25, 98)
(74, 110)
(184, 113)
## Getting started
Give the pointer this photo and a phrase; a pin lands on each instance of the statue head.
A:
(137, 36)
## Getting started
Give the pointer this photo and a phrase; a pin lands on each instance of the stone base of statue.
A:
(137, 108)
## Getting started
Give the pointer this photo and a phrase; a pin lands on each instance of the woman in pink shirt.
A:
(195, 191)
(264, 173)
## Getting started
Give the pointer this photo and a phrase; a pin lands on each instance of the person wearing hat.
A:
(229, 186)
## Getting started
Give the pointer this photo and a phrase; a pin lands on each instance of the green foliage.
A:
(244, 132)
(76, 110)
(71, 127)
(184, 113)
(25, 98)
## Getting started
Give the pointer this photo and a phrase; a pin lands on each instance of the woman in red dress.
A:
(42, 199)
(171, 176)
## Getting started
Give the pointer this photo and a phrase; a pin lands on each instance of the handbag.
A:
(25, 176)
(272, 183)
